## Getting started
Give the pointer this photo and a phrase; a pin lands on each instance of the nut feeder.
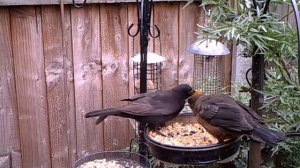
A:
(154, 67)
(208, 65)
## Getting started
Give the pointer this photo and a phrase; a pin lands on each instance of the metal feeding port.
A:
(208, 65)
(154, 67)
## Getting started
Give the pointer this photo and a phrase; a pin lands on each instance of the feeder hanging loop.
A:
(155, 33)
(139, 22)
(78, 5)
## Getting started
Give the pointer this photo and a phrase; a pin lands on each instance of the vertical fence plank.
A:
(61, 118)
(30, 86)
(114, 40)
(227, 64)
(70, 92)
(133, 49)
(189, 17)
(166, 16)
(133, 43)
(87, 76)
(291, 17)
(5, 161)
(9, 128)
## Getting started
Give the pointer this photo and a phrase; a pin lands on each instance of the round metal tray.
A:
(192, 155)
(124, 158)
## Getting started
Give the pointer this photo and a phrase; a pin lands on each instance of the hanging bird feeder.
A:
(154, 66)
(208, 65)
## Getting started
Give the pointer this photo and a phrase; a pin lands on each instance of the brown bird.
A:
(225, 118)
(153, 108)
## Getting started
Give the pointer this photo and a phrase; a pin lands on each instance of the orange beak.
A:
(197, 93)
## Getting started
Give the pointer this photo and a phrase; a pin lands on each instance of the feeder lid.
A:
(151, 58)
(208, 47)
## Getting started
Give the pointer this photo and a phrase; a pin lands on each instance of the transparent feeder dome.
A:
(208, 48)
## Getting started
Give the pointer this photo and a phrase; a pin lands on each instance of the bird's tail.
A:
(102, 114)
(268, 136)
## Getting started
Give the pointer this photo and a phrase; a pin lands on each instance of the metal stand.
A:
(145, 24)
(144, 14)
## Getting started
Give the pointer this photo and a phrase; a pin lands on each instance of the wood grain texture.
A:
(87, 76)
(30, 86)
(169, 28)
(59, 85)
(5, 161)
(69, 89)
(8, 109)
(133, 43)
(115, 72)
(291, 17)
(52, 2)
(9, 126)
(133, 49)
(189, 17)
(16, 159)
(228, 64)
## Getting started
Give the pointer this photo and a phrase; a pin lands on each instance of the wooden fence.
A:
(45, 88)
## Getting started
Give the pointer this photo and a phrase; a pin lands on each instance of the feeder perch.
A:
(154, 66)
(208, 65)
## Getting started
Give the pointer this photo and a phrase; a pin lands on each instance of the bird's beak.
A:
(192, 92)
(197, 93)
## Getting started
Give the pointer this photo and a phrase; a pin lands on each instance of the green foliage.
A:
(269, 35)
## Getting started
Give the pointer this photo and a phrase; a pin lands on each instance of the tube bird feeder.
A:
(208, 65)
(154, 67)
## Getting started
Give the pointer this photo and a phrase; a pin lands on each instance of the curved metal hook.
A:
(135, 34)
(157, 30)
(247, 77)
(139, 21)
(78, 5)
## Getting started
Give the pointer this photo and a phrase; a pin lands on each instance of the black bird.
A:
(153, 108)
(225, 118)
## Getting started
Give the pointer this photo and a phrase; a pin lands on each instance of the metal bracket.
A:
(79, 5)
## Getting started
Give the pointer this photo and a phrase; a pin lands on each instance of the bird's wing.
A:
(145, 109)
(252, 113)
(225, 115)
(142, 95)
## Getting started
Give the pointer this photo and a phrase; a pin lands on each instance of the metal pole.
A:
(145, 24)
(257, 99)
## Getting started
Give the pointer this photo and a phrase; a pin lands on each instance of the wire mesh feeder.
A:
(154, 67)
(208, 74)
(208, 65)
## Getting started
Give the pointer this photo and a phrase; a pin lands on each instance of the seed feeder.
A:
(154, 66)
(208, 65)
